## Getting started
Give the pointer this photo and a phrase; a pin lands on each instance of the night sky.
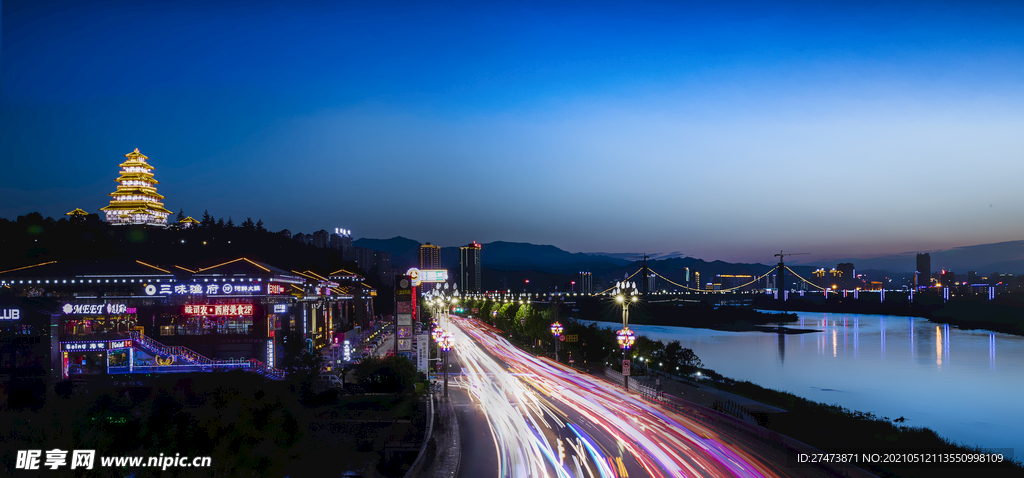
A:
(721, 130)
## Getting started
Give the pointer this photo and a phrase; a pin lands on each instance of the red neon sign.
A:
(275, 289)
(225, 309)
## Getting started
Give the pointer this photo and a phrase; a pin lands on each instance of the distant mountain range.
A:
(513, 262)
(982, 258)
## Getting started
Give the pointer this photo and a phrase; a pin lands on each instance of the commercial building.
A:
(115, 317)
(430, 256)
(469, 268)
(135, 201)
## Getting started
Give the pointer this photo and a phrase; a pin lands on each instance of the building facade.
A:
(430, 256)
(922, 277)
(469, 268)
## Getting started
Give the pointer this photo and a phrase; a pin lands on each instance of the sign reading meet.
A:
(217, 310)
(10, 314)
(97, 309)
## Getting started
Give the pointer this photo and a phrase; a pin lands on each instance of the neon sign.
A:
(225, 309)
(203, 289)
(93, 309)
(275, 289)
(10, 314)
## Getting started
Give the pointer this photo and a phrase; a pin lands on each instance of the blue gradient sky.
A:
(726, 132)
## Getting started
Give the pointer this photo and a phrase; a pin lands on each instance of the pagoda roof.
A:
(137, 177)
(189, 219)
(135, 190)
(136, 164)
(135, 155)
(76, 212)
(134, 207)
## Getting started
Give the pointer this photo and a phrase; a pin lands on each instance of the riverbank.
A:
(1005, 315)
(834, 429)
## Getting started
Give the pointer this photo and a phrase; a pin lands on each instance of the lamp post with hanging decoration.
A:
(556, 330)
(625, 294)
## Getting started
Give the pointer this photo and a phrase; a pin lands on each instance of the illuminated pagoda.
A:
(136, 201)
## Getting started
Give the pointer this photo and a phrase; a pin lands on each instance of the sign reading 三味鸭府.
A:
(221, 309)
(208, 289)
(96, 309)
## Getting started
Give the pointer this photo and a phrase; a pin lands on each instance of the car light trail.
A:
(530, 403)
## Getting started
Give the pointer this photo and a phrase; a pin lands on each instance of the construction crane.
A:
(781, 276)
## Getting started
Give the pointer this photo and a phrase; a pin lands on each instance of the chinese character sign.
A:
(219, 310)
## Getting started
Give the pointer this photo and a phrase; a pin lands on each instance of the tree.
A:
(387, 375)
(181, 215)
(220, 223)
(259, 226)
(230, 223)
(248, 225)
(207, 222)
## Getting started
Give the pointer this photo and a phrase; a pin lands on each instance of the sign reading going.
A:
(94, 346)
(224, 309)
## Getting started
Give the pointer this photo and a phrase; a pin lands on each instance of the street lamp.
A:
(443, 299)
(625, 293)
(556, 330)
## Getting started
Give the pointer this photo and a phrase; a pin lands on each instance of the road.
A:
(551, 421)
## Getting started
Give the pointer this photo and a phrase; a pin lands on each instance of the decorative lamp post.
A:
(625, 293)
(446, 344)
(556, 330)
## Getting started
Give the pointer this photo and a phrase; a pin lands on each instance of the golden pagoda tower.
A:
(135, 201)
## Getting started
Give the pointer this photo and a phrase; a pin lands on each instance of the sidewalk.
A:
(447, 443)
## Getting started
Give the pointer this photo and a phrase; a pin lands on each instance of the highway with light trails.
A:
(548, 420)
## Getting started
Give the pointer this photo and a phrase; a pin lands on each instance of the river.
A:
(967, 385)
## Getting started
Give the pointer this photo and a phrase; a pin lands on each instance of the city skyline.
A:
(724, 132)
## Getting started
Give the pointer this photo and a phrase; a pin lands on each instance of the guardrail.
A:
(200, 362)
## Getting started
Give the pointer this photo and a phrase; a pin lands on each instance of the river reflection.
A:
(934, 375)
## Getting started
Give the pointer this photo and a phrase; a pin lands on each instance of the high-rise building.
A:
(342, 240)
(321, 239)
(430, 256)
(586, 283)
(924, 270)
(847, 274)
(135, 201)
(947, 278)
(973, 278)
(469, 267)
(650, 281)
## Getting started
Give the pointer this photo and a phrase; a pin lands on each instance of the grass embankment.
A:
(832, 428)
